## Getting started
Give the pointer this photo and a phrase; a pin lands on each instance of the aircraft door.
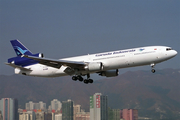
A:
(159, 56)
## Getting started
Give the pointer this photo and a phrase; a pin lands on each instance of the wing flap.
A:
(57, 63)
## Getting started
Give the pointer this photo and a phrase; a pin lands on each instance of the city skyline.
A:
(99, 110)
(120, 90)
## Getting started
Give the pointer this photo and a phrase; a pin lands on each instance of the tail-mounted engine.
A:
(41, 55)
(110, 73)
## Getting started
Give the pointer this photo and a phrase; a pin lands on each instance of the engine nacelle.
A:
(40, 55)
(110, 73)
(18, 71)
(94, 66)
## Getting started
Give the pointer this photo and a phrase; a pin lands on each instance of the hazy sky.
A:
(65, 28)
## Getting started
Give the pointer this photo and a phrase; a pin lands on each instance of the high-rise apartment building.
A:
(32, 106)
(77, 109)
(40, 105)
(9, 109)
(39, 115)
(58, 117)
(98, 107)
(129, 114)
(114, 114)
(0, 115)
(67, 110)
(27, 115)
(56, 105)
(82, 116)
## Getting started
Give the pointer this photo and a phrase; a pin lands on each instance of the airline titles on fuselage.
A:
(116, 52)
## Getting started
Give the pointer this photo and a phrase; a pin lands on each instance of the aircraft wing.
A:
(57, 63)
(16, 66)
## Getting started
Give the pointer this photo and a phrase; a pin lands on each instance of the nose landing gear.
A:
(152, 66)
(153, 70)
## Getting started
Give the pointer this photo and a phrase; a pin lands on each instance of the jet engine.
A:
(110, 73)
(40, 55)
(19, 71)
(94, 66)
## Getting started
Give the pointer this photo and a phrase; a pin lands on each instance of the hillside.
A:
(154, 95)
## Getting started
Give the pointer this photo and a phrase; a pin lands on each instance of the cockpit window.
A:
(167, 49)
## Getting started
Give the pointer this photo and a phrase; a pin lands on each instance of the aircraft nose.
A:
(174, 53)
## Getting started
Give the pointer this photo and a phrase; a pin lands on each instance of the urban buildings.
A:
(39, 115)
(9, 109)
(116, 114)
(129, 114)
(41, 105)
(58, 117)
(113, 114)
(27, 115)
(32, 106)
(77, 109)
(124, 114)
(34, 115)
(29, 106)
(55, 105)
(80, 114)
(98, 107)
(67, 110)
(0, 115)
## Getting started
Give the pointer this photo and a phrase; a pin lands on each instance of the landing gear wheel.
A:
(86, 81)
(74, 78)
(153, 70)
(152, 66)
(80, 78)
(90, 81)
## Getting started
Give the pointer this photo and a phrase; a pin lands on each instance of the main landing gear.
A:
(80, 78)
(152, 66)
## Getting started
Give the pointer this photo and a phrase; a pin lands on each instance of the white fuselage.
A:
(110, 60)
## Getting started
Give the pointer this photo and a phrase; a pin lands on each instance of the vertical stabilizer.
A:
(19, 48)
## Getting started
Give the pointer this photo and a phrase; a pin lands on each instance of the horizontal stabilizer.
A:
(16, 66)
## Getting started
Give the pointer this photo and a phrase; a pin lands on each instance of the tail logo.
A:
(19, 51)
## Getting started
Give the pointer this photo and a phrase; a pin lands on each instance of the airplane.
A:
(104, 64)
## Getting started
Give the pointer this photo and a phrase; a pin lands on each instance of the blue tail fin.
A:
(19, 48)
